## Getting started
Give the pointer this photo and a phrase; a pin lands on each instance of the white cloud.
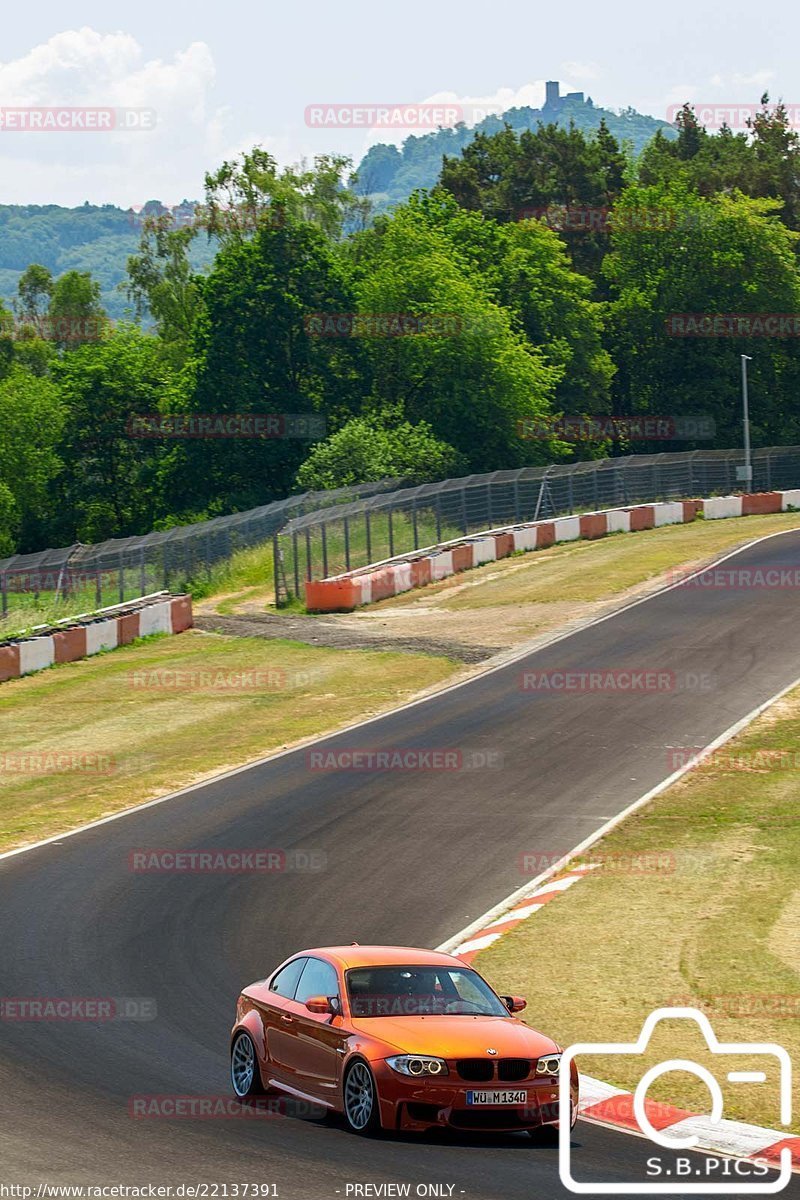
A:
(84, 68)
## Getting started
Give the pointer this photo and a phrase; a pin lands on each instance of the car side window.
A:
(285, 982)
(318, 979)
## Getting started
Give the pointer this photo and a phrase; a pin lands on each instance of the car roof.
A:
(385, 956)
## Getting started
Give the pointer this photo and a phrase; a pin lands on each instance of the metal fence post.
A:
(275, 571)
(142, 579)
(346, 544)
(324, 529)
(414, 523)
(368, 533)
(296, 564)
(464, 509)
(308, 553)
(391, 535)
(121, 579)
(4, 591)
(570, 504)
(438, 517)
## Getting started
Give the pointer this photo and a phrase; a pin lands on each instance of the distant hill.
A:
(100, 238)
(389, 175)
(89, 238)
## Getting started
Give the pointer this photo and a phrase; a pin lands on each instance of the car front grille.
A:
(513, 1068)
(475, 1070)
(482, 1070)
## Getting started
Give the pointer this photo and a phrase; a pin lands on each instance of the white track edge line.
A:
(528, 888)
(522, 652)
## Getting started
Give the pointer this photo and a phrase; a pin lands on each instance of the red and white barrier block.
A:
(80, 637)
(342, 593)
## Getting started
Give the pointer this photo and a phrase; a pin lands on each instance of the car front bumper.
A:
(416, 1104)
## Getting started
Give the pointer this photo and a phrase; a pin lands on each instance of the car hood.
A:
(457, 1036)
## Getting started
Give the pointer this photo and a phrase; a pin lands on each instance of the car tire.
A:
(360, 1099)
(245, 1075)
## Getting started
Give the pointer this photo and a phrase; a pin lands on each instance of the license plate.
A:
(507, 1097)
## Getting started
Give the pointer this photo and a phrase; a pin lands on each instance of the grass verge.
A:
(162, 713)
(697, 902)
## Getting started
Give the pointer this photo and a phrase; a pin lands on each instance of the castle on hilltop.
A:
(552, 98)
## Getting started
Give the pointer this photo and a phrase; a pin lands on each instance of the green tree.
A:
(255, 352)
(75, 314)
(372, 448)
(109, 484)
(31, 420)
(34, 289)
(466, 369)
(723, 255)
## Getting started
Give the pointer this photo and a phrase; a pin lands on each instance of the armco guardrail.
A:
(342, 593)
(81, 636)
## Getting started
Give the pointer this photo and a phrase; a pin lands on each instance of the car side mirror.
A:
(514, 1003)
(327, 1005)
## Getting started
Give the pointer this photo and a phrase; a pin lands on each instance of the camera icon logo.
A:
(686, 1140)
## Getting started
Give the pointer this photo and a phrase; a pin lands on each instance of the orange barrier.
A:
(594, 525)
(504, 544)
(758, 503)
(69, 644)
(382, 583)
(332, 595)
(642, 517)
(462, 558)
(9, 663)
(181, 614)
(420, 572)
(127, 628)
(545, 535)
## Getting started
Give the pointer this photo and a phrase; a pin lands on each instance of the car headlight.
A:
(548, 1064)
(417, 1065)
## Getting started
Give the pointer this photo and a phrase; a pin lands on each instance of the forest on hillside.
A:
(547, 294)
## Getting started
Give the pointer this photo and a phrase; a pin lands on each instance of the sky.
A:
(201, 84)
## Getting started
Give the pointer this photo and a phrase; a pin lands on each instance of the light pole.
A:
(748, 470)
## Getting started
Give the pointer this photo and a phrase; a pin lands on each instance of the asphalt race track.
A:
(411, 857)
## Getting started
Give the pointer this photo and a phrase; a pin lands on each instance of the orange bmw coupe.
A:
(395, 1038)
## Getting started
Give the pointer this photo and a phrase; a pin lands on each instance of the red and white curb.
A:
(515, 916)
(611, 1106)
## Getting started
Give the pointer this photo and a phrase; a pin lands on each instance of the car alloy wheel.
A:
(360, 1099)
(245, 1078)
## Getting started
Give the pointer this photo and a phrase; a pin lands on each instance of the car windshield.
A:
(420, 991)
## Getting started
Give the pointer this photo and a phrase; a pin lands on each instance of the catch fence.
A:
(344, 537)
